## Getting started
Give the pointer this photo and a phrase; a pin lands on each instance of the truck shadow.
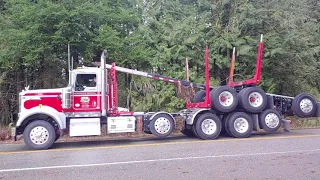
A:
(121, 141)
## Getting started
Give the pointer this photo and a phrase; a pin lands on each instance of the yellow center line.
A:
(159, 144)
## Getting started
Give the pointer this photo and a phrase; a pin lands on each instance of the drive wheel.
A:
(239, 125)
(162, 125)
(39, 135)
(207, 126)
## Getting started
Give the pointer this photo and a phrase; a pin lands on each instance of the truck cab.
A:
(86, 106)
(85, 92)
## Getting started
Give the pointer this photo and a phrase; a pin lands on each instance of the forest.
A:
(157, 36)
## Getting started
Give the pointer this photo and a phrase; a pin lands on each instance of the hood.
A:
(40, 92)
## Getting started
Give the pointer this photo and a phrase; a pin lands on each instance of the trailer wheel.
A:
(193, 128)
(199, 96)
(226, 129)
(39, 135)
(253, 99)
(239, 125)
(207, 126)
(270, 120)
(224, 99)
(162, 125)
(304, 105)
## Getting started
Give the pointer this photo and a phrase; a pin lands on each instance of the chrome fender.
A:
(162, 112)
(190, 117)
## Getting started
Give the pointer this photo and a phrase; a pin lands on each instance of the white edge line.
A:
(155, 160)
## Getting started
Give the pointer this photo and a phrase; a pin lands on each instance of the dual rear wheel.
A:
(225, 99)
(208, 126)
(236, 124)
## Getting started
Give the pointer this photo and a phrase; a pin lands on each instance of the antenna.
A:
(187, 69)
(68, 56)
(69, 63)
(70, 72)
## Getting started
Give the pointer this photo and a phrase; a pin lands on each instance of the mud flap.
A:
(286, 125)
(256, 126)
(13, 132)
(317, 113)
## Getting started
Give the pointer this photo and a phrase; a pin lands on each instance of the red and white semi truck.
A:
(90, 100)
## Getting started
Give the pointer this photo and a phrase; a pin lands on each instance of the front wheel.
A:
(39, 135)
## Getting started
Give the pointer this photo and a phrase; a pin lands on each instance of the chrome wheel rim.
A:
(272, 120)
(39, 135)
(306, 105)
(162, 125)
(225, 98)
(255, 99)
(241, 125)
(209, 126)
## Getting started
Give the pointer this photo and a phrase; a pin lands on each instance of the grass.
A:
(297, 123)
(303, 123)
(4, 133)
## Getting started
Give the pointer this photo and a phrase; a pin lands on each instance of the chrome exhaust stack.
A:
(103, 81)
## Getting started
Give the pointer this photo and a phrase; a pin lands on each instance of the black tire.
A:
(225, 124)
(199, 96)
(147, 132)
(298, 109)
(211, 120)
(247, 124)
(230, 95)
(258, 96)
(225, 130)
(46, 127)
(165, 118)
(270, 120)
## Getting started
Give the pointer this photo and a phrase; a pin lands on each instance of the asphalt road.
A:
(293, 155)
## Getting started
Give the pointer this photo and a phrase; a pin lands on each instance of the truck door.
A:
(86, 94)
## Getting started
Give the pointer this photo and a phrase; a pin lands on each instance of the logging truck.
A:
(89, 103)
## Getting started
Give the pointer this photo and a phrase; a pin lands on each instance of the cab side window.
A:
(85, 81)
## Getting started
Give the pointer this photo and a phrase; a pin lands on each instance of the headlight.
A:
(20, 100)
